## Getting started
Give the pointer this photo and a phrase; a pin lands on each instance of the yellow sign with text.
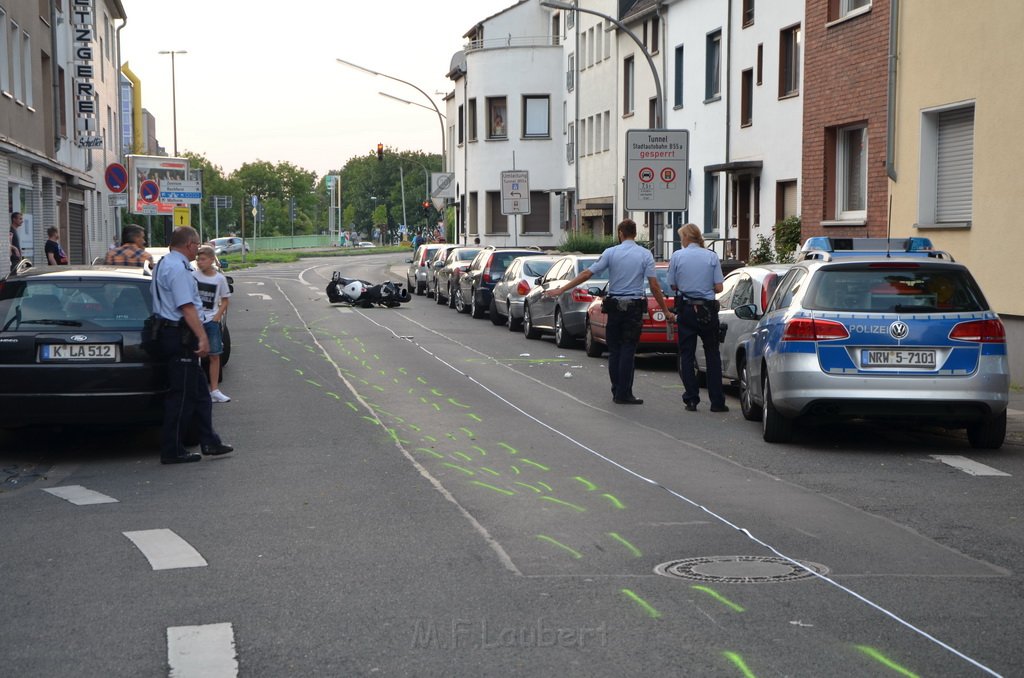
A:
(182, 216)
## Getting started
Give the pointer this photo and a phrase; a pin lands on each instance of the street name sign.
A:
(657, 165)
(515, 192)
(182, 192)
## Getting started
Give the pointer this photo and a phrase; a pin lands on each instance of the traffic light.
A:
(380, 151)
(426, 208)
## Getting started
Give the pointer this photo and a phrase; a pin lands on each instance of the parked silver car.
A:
(747, 285)
(520, 277)
(432, 268)
(565, 316)
(419, 267)
(447, 272)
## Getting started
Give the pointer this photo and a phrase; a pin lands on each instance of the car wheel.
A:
(496, 318)
(562, 337)
(513, 324)
(226, 353)
(451, 297)
(751, 412)
(988, 434)
(590, 345)
(460, 303)
(476, 309)
(775, 428)
(529, 330)
(438, 299)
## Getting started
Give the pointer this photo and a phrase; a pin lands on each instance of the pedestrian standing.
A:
(695, 274)
(627, 264)
(16, 221)
(216, 295)
(182, 343)
(55, 254)
(133, 251)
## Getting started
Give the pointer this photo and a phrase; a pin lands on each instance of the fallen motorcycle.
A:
(355, 292)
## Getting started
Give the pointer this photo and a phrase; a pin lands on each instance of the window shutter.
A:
(955, 179)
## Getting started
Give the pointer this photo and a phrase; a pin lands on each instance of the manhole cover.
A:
(739, 569)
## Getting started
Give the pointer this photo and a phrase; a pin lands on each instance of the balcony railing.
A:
(513, 41)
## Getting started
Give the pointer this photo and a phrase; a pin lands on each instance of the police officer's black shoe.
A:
(183, 459)
(631, 400)
(720, 408)
(690, 407)
(215, 449)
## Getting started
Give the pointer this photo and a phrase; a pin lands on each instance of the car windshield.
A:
(90, 304)
(466, 255)
(662, 275)
(535, 269)
(883, 288)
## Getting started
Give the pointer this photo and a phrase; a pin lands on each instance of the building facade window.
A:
(747, 98)
(538, 221)
(471, 125)
(570, 146)
(570, 74)
(713, 66)
(26, 65)
(607, 130)
(677, 80)
(14, 45)
(748, 13)
(536, 116)
(711, 211)
(627, 85)
(840, 9)
(852, 173)
(785, 200)
(497, 118)
(789, 61)
(460, 135)
(5, 55)
(947, 167)
(655, 34)
(496, 221)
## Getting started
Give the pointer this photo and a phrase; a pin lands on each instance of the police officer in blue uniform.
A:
(695, 274)
(625, 304)
(182, 342)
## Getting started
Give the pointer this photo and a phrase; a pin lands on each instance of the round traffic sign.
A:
(149, 191)
(116, 177)
(668, 175)
(646, 175)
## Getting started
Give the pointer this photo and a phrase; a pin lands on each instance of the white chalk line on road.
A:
(969, 466)
(206, 651)
(165, 550)
(79, 495)
(695, 504)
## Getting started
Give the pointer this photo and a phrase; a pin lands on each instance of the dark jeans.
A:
(188, 397)
(689, 330)
(622, 335)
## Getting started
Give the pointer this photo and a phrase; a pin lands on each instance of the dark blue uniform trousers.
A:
(188, 397)
(622, 335)
(689, 330)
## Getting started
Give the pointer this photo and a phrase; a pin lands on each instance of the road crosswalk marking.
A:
(165, 550)
(968, 465)
(80, 496)
(206, 651)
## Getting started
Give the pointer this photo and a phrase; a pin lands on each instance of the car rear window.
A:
(536, 268)
(884, 288)
(90, 304)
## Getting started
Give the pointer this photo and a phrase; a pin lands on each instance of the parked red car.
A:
(653, 336)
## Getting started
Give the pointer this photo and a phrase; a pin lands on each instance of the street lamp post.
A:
(174, 94)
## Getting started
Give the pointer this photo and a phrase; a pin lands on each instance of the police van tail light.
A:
(581, 295)
(811, 329)
(980, 331)
(522, 288)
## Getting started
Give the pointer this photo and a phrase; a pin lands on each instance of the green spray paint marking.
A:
(430, 439)
(542, 467)
(437, 455)
(450, 435)
(738, 662)
(719, 597)
(414, 427)
(284, 357)
(474, 417)
(437, 393)
(644, 605)
(489, 470)
(423, 399)
(615, 502)
(395, 380)
(436, 406)
(515, 469)
(383, 373)
(299, 372)
(372, 420)
(885, 661)
(334, 395)
(352, 405)
(586, 483)
(274, 350)
(376, 357)
(459, 468)
(574, 507)
(482, 451)
(310, 381)
(463, 456)
(632, 549)
(511, 450)
(455, 402)
(421, 380)
(402, 370)
(410, 391)
(573, 552)
(535, 489)
(496, 489)
(545, 486)
(469, 434)
(378, 388)
(364, 382)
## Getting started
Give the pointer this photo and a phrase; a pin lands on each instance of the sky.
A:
(260, 82)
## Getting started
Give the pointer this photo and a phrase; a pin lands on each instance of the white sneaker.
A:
(218, 397)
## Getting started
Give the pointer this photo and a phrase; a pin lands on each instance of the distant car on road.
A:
(230, 245)
(365, 244)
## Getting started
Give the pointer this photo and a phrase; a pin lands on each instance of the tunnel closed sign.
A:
(657, 161)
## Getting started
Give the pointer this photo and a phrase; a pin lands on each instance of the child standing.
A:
(215, 293)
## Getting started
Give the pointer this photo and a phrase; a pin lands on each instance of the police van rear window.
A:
(894, 289)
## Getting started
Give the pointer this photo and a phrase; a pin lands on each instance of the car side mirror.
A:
(747, 312)
(539, 281)
(595, 291)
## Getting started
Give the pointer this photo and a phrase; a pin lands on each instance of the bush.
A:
(587, 243)
(781, 248)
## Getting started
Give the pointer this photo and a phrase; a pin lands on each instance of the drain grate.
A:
(739, 569)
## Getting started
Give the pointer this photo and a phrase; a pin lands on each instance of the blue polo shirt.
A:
(694, 271)
(628, 266)
(174, 286)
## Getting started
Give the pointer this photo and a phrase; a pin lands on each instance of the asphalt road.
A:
(419, 493)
